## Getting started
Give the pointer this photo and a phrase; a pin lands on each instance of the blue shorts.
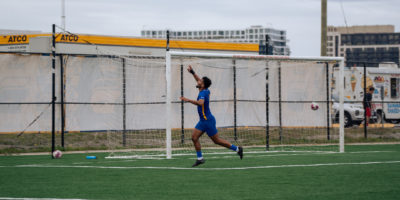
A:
(208, 126)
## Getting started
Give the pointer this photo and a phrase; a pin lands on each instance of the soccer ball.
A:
(314, 106)
(57, 154)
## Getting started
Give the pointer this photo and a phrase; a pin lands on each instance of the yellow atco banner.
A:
(130, 41)
(18, 39)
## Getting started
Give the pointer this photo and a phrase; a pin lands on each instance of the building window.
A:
(251, 31)
(256, 31)
(214, 32)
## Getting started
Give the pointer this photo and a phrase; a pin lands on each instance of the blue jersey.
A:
(204, 111)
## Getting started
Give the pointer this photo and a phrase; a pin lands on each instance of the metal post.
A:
(53, 90)
(280, 101)
(267, 43)
(382, 102)
(365, 100)
(340, 84)
(182, 110)
(62, 100)
(234, 101)
(328, 135)
(167, 47)
(123, 102)
(267, 107)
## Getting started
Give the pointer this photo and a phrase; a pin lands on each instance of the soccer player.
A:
(207, 121)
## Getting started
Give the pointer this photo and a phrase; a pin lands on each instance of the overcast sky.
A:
(301, 18)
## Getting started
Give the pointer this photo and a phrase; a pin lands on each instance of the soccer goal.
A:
(262, 103)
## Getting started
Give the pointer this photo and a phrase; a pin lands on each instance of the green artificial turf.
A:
(373, 174)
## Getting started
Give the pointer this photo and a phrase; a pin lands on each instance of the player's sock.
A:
(234, 148)
(199, 155)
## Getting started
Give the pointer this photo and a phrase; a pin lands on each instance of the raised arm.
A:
(190, 70)
(194, 102)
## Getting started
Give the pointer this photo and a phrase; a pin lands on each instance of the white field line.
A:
(23, 198)
(293, 154)
(371, 151)
(108, 161)
(227, 168)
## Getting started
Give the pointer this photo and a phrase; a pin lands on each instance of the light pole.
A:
(323, 26)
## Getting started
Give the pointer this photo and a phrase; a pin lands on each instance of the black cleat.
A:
(198, 162)
(240, 152)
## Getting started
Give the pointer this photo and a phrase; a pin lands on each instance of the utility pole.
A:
(323, 26)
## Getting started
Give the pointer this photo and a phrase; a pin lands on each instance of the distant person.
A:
(367, 103)
(207, 121)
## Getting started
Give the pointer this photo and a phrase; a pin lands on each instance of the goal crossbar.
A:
(248, 56)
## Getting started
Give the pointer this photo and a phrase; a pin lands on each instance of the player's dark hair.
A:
(206, 81)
